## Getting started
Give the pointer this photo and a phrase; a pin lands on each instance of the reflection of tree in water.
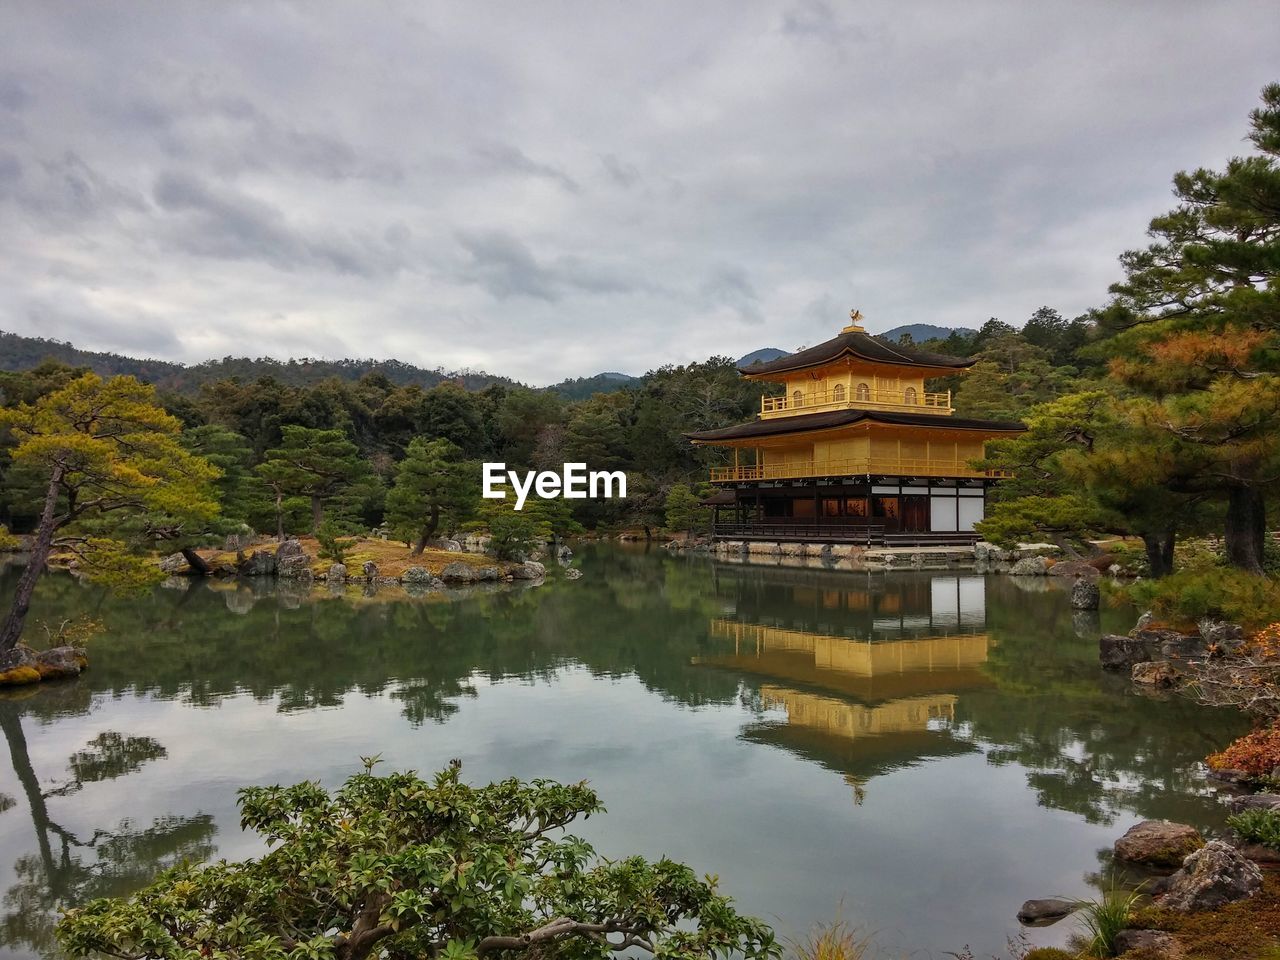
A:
(1091, 745)
(67, 868)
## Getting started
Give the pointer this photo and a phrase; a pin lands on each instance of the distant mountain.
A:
(22, 353)
(763, 355)
(579, 388)
(924, 331)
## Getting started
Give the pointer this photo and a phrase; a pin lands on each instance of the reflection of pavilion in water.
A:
(880, 694)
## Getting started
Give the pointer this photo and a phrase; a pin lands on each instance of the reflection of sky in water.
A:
(818, 768)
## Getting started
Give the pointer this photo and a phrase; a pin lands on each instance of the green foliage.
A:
(241, 494)
(1103, 918)
(683, 509)
(1257, 826)
(401, 866)
(316, 464)
(512, 535)
(112, 458)
(1222, 593)
(434, 488)
(333, 545)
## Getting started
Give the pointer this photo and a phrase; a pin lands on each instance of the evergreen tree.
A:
(311, 463)
(241, 493)
(105, 451)
(684, 511)
(433, 486)
(1199, 321)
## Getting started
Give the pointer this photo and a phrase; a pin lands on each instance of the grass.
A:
(1103, 919)
(1257, 826)
(392, 557)
(833, 941)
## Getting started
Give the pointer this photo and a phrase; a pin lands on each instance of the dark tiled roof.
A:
(863, 346)
(803, 423)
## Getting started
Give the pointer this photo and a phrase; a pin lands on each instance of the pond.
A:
(914, 752)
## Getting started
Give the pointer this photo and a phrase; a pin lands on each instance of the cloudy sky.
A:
(548, 189)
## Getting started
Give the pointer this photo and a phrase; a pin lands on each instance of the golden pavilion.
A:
(854, 449)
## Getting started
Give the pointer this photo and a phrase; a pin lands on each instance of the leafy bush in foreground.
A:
(1257, 826)
(401, 867)
(1256, 754)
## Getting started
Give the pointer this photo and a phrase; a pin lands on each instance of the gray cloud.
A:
(480, 186)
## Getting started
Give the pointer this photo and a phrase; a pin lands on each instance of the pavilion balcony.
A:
(839, 398)
(878, 466)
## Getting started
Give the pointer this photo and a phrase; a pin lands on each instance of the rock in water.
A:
(1212, 877)
(1158, 843)
(1030, 567)
(59, 662)
(337, 573)
(1085, 595)
(1041, 913)
(529, 570)
(1119, 652)
(416, 575)
(573, 573)
(1157, 673)
(370, 571)
(459, 572)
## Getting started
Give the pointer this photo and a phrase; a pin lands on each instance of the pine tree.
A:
(684, 511)
(434, 485)
(105, 451)
(310, 463)
(1199, 321)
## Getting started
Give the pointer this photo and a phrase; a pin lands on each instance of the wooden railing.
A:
(841, 399)
(912, 467)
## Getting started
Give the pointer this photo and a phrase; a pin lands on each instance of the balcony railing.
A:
(877, 466)
(917, 401)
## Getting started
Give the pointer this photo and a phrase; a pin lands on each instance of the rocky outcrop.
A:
(370, 570)
(1030, 567)
(260, 563)
(337, 573)
(291, 562)
(1085, 594)
(1041, 913)
(1212, 877)
(573, 573)
(1152, 943)
(1157, 673)
(22, 665)
(459, 572)
(1158, 843)
(1075, 568)
(174, 563)
(1121, 652)
(529, 570)
(1254, 801)
(416, 575)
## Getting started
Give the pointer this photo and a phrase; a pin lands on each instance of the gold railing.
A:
(910, 467)
(917, 401)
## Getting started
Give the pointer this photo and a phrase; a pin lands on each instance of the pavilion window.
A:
(797, 399)
(863, 392)
(910, 396)
(837, 393)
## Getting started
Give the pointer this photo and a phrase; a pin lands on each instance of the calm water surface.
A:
(916, 752)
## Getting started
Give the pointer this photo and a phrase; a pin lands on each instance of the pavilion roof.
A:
(804, 423)
(859, 345)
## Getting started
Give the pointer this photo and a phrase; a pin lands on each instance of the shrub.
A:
(1257, 826)
(512, 536)
(1049, 953)
(1255, 754)
(396, 866)
(1222, 594)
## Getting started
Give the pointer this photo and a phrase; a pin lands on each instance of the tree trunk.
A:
(1246, 528)
(197, 562)
(317, 513)
(428, 531)
(11, 631)
(280, 517)
(1160, 552)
